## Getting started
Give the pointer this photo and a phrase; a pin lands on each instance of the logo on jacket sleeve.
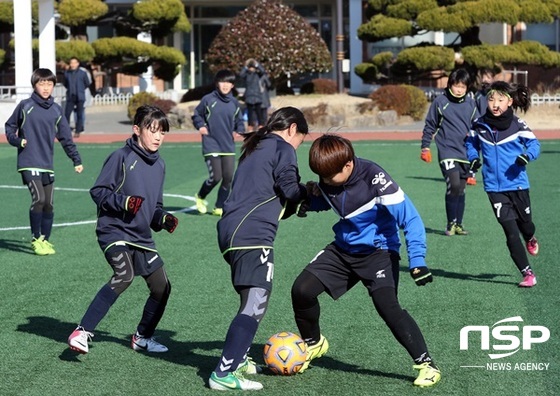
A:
(379, 179)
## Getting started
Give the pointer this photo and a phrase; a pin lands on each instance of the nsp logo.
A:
(529, 335)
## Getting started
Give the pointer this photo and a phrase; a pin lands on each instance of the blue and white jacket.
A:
(499, 150)
(372, 208)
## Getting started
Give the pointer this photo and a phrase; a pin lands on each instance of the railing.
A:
(537, 99)
(8, 94)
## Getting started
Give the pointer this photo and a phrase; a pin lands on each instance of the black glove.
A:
(522, 160)
(475, 165)
(303, 208)
(421, 275)
(133, 204)
(170, 222)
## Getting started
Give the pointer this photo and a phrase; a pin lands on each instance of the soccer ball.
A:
(285, 353)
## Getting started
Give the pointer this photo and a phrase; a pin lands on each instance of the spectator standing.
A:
(76, 82)
(251, 74)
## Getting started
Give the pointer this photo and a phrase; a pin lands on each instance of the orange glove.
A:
(426, 155)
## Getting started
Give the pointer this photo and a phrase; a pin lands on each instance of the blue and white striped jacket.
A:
(499, 150)
(372, 208)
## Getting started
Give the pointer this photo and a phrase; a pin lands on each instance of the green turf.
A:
(42, 298)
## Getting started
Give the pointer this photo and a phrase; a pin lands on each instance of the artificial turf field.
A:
(42, 298)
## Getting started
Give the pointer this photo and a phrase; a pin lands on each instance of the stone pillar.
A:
(47, 51)
(145, 80)
(23, 51)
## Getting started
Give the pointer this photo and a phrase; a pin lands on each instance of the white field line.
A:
(83, 222)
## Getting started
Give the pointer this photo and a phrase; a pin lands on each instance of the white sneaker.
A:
(78, 340)
(140, 343)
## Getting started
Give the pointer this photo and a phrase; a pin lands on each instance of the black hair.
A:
(42, 75)
(280, 120)
(519, 93)
(224, 75)
(148, 115)
(329, 153)
(459, 76)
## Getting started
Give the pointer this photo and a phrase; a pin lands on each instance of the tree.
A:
(78, 14)
(399, 18)
(126, 54)
(273, 34)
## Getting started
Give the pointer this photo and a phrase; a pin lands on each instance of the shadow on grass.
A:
(180, 352)
(333, 364)
(436, 179)
(488, 278)
(434, 231)
(16, 246)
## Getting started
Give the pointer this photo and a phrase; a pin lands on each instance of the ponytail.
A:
(280, 120)
(518, 92)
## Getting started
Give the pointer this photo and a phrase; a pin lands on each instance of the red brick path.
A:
(181, 137)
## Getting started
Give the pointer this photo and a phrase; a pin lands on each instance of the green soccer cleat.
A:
(459, 230)
(315, 351)
(248, 366)
(201, 204)
(49, 247)
(39, 247)
(218, 212)
(429, 375)
(232, 381)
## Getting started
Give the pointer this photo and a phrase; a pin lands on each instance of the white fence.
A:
(8, 94)
(537, 100)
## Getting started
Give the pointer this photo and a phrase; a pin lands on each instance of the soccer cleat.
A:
(533, 246)
(529, 280)
(201, 204)
(218, 212)
(140, 343)
(315, 351)
(459, 230)
(232, 381)
(39, 247)
(78, 340)
(429, 375)
(248, 366)
(450, 229)
(49, 247)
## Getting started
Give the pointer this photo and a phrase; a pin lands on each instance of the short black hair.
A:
(225, 75)
(459, 76)
(42, 75)
(146, 115)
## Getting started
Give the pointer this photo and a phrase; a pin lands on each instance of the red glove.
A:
(133, 204)
(426, 155)
(170, 222)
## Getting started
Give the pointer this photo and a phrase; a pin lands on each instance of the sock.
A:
(47, 224)
(307, 321)
(98, 308)
(460, 208)
(451, 203)
(239, 338)
(35, 220)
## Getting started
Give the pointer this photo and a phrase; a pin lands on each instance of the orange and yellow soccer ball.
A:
(285, 353)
